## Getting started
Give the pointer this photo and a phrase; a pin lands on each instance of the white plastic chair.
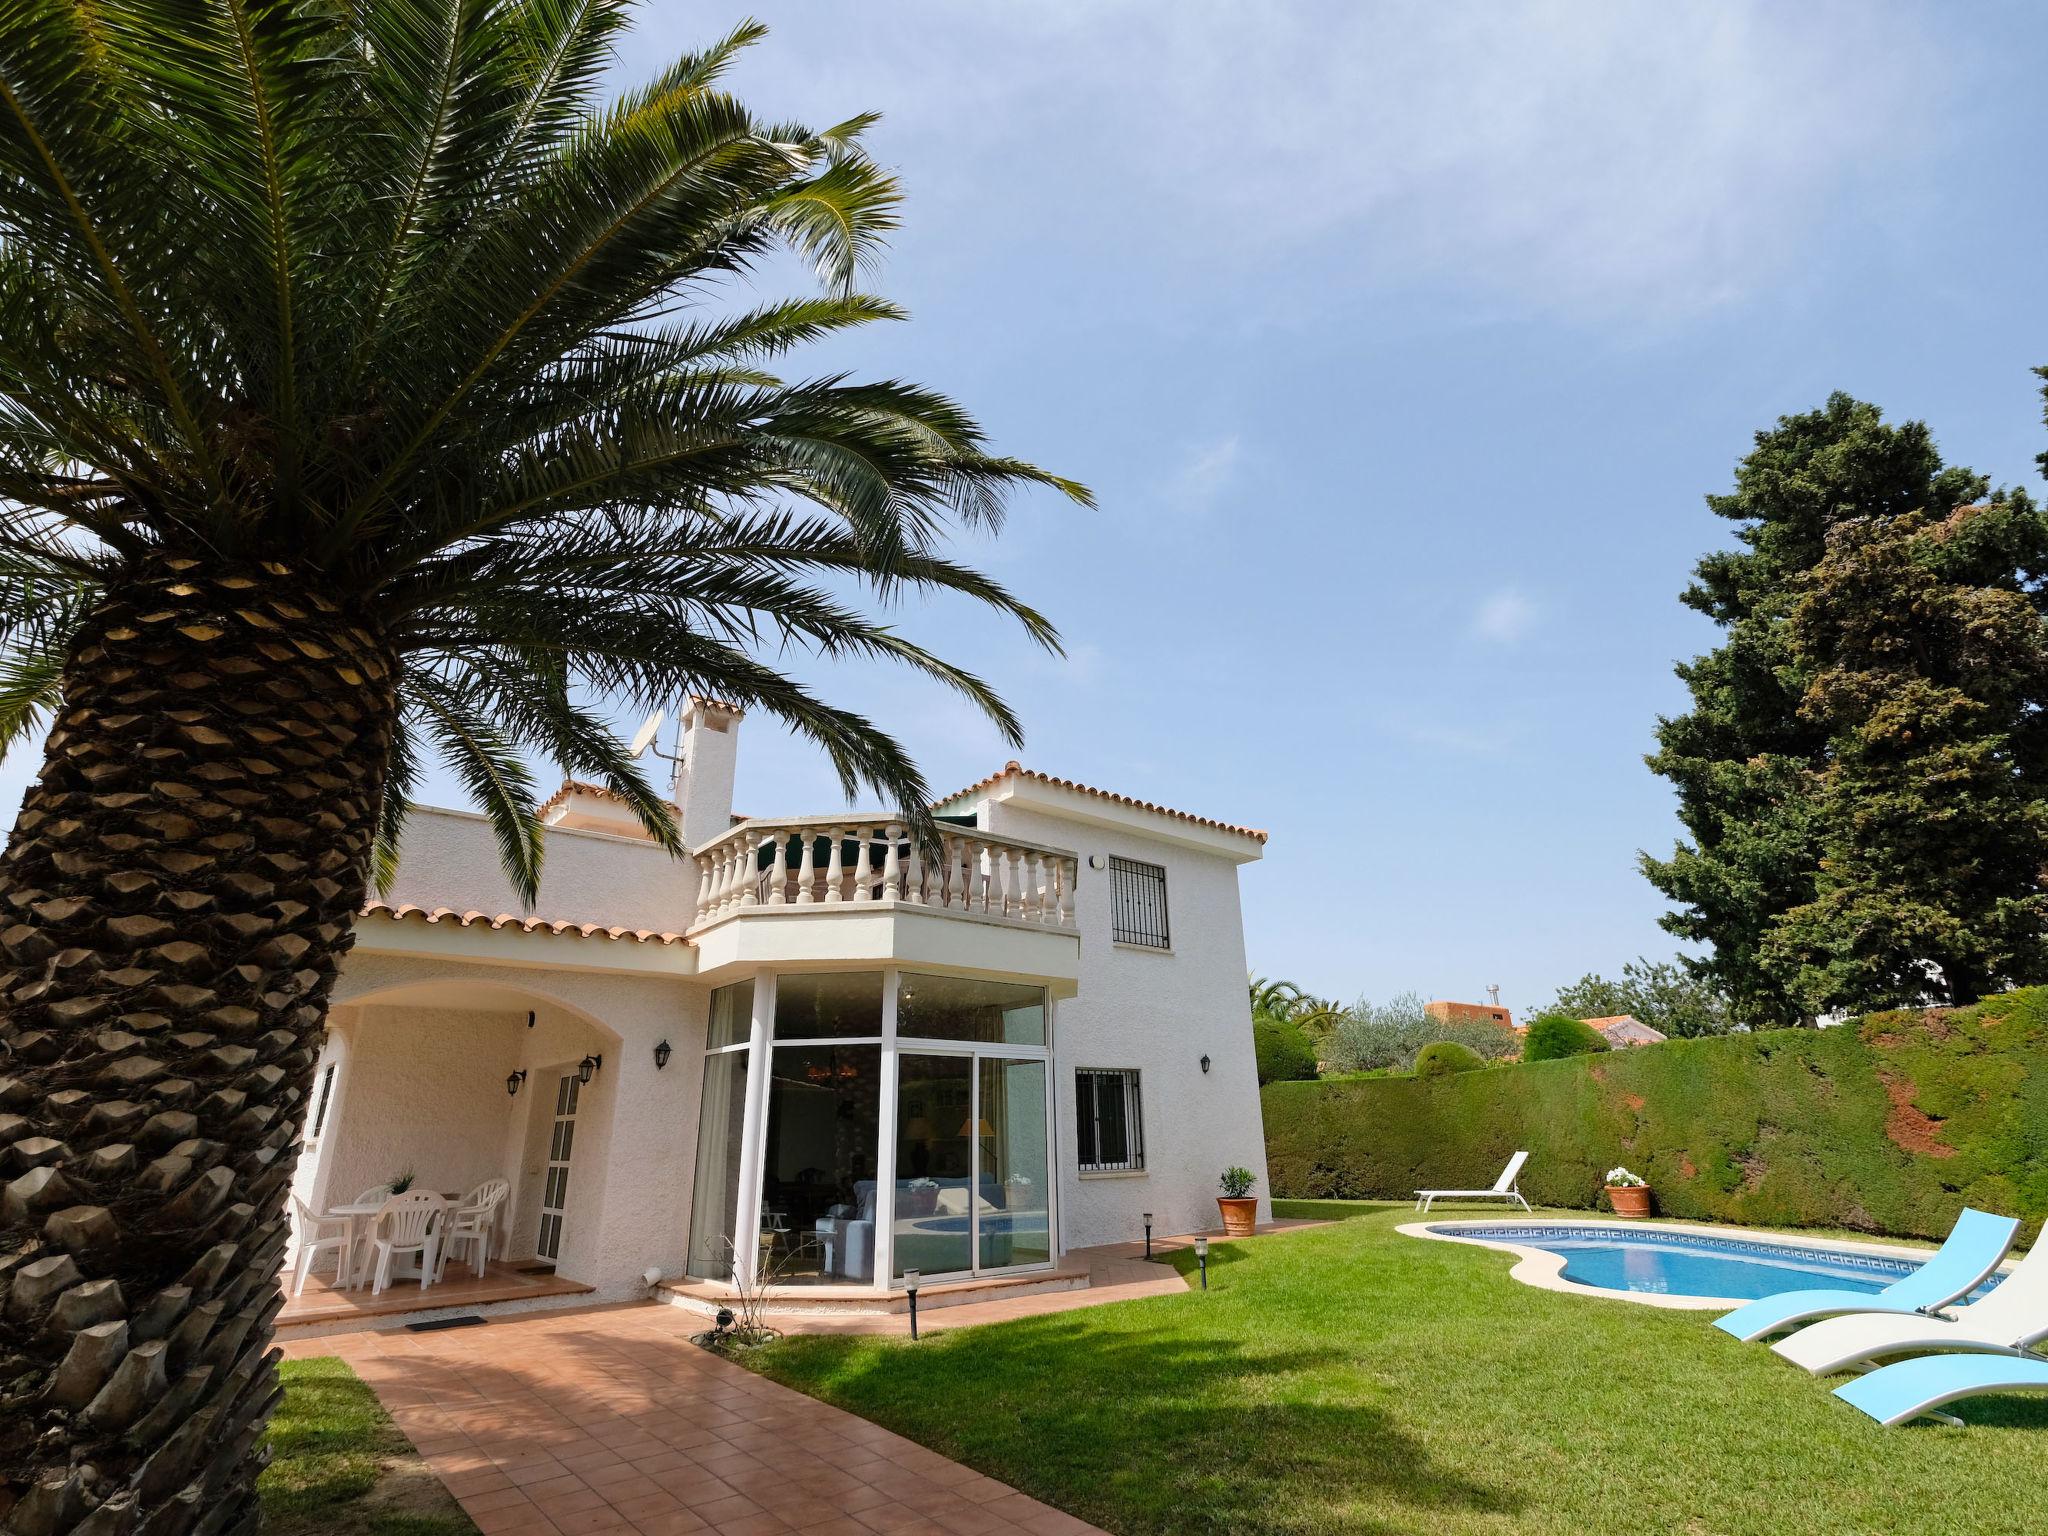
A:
(471, 1223)
(359, 1257)
(409, 1223)
(315, 1239)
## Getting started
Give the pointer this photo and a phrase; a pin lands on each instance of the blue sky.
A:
(1400, 343)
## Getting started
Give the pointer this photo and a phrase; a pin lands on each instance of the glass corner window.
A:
(732, 1015)
(830, 1005)
(962, 1008)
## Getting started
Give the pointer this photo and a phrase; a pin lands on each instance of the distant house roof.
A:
(1626, 1029)
(1470, 1013)
(1013, 768)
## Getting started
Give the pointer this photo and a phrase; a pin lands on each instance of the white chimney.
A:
(709, 745)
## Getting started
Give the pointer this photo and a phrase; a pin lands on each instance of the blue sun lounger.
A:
(1975, 1244)
(1896, 1393)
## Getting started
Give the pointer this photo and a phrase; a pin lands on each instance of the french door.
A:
(554, 1194)
(973, 1191)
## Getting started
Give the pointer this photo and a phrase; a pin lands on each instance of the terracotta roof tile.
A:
(576, 787)
(1018, 769)
(407, 912)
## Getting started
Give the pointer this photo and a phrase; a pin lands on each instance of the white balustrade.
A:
(880, 863)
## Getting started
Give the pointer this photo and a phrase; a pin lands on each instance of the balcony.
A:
(834, 890)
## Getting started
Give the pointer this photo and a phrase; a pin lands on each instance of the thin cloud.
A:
(1623, 163)
(1203, 476)
(1503, 618)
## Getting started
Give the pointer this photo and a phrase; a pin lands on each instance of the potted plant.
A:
(1239, 1206)
(920, 1197)
(1628, 1193)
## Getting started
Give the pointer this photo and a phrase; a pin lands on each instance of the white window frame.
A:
(1134, 1120)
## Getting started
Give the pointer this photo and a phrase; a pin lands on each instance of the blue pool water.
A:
(1680, 1264)
(991, 1221)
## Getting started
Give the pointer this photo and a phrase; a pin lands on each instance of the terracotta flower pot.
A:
(1629, 1199)
(1240, 1217)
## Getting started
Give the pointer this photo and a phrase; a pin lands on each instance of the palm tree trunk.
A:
(177, 895)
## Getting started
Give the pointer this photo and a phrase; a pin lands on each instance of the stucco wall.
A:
(636, 1126)
(1160, 1013)
(426, 1093)
(448, 859)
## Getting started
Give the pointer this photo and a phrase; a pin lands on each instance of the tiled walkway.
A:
(609, 1422)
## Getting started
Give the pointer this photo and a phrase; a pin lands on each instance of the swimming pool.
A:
(1663, 1262)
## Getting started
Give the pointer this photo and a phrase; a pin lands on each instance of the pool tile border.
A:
(1545, 1270)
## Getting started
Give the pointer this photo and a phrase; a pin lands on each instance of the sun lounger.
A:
(2012, 1317)
(1975, 1244)
(1503, 1188)
(1916, 1387)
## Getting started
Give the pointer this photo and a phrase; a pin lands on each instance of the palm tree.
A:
(368, 390)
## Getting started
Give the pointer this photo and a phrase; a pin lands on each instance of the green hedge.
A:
(1887, 1125)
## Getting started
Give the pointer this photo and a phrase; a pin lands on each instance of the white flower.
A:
(1621, 1178)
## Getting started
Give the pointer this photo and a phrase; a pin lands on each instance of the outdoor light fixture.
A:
(662, 1052)
(1148, 1234)
(910, 1279)
(723, 1321)
(1202, 1258)
(1205, 1066)
(512, 1083)
(587, 1068)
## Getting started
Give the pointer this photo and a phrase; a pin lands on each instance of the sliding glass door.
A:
(1015, 1169)
(973, 1163)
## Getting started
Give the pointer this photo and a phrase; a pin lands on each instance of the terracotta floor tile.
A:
(572, 1502)
(502, 1498)
(589, 1522)
(515, 1517)
(679, 1523)
(610, 1423)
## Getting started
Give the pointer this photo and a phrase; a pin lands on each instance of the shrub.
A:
(1374, 1037)
(1284, 1052)
(1556, 1035)
(1236, 1182)
(1889, 1125)
(1440, 1058)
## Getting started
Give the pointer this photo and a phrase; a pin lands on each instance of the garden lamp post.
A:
(1202, 1258)
(910, 1279)
(1148, 1234)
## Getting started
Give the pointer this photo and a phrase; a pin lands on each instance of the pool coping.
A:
(1545, 1270)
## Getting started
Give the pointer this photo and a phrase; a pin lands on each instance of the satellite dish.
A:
(644, 737)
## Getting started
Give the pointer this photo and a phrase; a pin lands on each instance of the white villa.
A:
(811, 1053)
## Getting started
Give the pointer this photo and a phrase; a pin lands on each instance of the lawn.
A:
(342, 1468)
(1350, 1379)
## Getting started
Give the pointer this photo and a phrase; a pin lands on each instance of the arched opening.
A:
(448, 1085)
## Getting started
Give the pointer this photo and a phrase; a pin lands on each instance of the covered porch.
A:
(490, 1098)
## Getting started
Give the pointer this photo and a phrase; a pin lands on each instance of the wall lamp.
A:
(662, 1052)
(1205, 1066)
(586, 1069)
(512, 1083)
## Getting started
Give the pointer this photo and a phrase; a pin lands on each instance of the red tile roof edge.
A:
(1018, 769)
(405, 911)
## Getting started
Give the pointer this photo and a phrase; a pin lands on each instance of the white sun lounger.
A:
(1503, 1188)
(2010, 1320)
(1975, 1245)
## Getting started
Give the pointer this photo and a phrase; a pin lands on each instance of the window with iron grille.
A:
(1139, 908)
(1109, 1121)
